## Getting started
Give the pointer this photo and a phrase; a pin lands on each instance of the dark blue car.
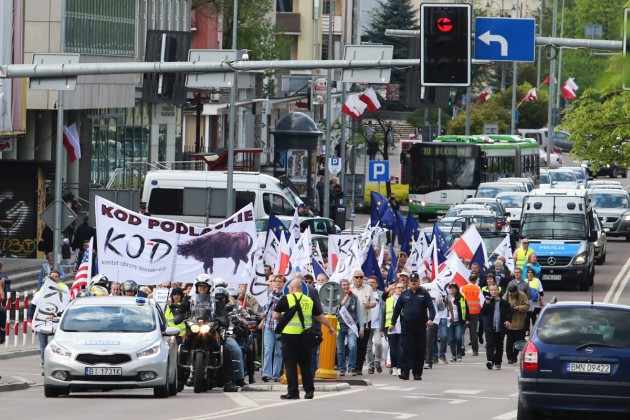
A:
(576, 361)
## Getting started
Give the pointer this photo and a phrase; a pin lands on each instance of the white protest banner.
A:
(254, 273)
(151, 250)
(347, 319)
(49, 302)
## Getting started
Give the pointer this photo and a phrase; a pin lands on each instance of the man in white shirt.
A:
(432, 332)
(368, 301)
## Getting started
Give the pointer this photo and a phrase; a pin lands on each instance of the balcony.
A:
(289, 21)
(337, 25)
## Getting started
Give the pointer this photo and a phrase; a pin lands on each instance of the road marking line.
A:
(423, 397)
(235, 412)
(241, 399)
(462, 391)
(506, 416)
(614, 285)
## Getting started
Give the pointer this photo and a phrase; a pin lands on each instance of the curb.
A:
(19, 353)
(318, 387)
(16, 386)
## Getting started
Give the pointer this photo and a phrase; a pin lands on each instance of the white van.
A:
(199, 197)
(538, 134)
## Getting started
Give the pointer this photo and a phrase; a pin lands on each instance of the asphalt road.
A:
(446, 391)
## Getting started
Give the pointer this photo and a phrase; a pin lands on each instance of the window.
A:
(166, 201)
(243, 198)
(576, 326)
(92, 28)
(278, 204)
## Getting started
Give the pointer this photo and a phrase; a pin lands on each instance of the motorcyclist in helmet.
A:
(203, 286)
(100, 280)
(130, 288)
(222, 299)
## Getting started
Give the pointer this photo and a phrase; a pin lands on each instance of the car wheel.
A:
(624, 174)
(628, 238)
(602, 260)
(172, 386)
(523, 413)
(161, 391)
(53, 391)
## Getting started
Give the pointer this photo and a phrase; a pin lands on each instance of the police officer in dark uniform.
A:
(417, 312)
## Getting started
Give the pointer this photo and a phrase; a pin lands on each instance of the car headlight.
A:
(580, 258)
(59, 350)
(154, 350)
(626, 217)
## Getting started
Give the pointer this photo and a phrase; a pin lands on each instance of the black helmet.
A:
(221, 294)
(130, 286)
(100, 280)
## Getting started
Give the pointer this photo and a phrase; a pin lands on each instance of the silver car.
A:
(601, 242)
(111, 343)
(613, 210)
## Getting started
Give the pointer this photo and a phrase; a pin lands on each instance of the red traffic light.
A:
(444, 24)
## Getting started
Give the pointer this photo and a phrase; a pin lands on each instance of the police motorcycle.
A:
(202, 353)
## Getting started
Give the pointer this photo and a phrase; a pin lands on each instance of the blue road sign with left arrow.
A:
(505, 39)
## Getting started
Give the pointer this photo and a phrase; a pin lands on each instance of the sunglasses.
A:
(358, 277)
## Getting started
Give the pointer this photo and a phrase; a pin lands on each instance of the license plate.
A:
(103, 371)
(608, 225)
(600, 368)
(552, 277)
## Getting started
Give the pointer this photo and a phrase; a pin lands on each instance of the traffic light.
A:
(626, 47)
(445, 44)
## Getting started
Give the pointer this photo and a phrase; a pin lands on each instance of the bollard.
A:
(327, 351)
(283, 378)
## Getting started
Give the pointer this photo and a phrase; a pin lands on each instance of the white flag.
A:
(505, 249)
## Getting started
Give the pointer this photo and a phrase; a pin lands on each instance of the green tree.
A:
(392, 14)
(257, 32)
(599, 121)
(497, 111)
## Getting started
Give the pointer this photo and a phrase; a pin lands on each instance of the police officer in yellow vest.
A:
(294, 352)
(522, 253)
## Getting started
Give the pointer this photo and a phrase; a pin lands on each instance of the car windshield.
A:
(109, 318)
(579, 174)
(563, 177)
(544, 178)
(609, 201)
(511, 201)
(488, 191)
(558, 226)
(455, 210)
(578, 326)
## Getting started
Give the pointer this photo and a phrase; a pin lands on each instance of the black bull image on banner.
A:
(205, 249)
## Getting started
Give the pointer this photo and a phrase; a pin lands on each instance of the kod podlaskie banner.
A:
(148, 250)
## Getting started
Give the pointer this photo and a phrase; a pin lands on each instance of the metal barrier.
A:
(17, 316)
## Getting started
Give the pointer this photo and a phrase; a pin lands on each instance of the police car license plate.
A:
(103, 371)
(601, 368)
(552, 277)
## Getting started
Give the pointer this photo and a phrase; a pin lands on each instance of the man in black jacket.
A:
(83, 233)
(497, 317)
(416, 309)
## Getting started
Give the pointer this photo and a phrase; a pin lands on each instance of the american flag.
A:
(84, 273)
